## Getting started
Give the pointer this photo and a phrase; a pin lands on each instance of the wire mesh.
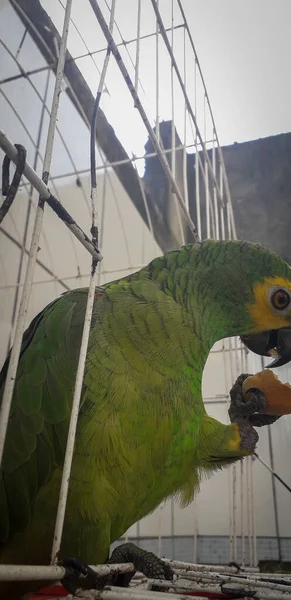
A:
(195, 186)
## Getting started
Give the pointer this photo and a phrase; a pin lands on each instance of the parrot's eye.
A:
(280, 299)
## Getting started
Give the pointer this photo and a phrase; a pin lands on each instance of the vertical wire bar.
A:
(250, 541)
(197, 190)
(173, 130)
(252, 499)
(185, 179)
(173, 133)
(234, 509)
(151, 132)
(136, 80)
(227, 194)
(253, 514)
(207, 201)
(160, 518)
(180, 81)
(236, 354)
(234, 469)
(230, 497)
(204, 120)
(60, 518)
(232, 488)
(210, 225)
(220, 154)
(237, 369)
(231, 545)
(196, 533)
(221, 207)
(242, 516)
(119, 212)
(214, 190)
(195, 547)
(173, 528)
(157, 82)
(228, 221)
(243, 364)
(22, 312)
(207, 198)
(138, 533)
(94, 123)
(150, 224)
(73, 422)
(28, 212)
(103, 208)
(197, 173)
(274, 490)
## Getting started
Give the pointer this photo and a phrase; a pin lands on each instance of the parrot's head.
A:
(251, 289)
(276, 341)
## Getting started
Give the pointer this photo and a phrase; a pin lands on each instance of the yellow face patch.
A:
(263, 315)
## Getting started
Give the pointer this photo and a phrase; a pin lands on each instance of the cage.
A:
(154, 110)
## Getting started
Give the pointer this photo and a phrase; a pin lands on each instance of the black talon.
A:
(250, 410)
(261, 420)
(146, 562)
(233, 563)
(79, 574)
(235, 593)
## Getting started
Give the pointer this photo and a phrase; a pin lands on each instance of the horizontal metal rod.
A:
(125, 43)
(214, 588)
(239, 579)
(119, 593)
(53, 573)
(9, 149)
(55, 278)
(177, 564)
(125, 161)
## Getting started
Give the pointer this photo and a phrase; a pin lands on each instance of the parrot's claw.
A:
(146, 562)
(248, 435)
(249, 410)
(233, 563)
(79, 575)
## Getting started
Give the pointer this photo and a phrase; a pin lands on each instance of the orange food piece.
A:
(277, 394)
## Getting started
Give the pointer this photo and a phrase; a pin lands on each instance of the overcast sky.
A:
(244, 47)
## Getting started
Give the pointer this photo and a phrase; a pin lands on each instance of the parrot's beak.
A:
(275, 343)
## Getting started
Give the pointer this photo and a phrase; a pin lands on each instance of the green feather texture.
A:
(143, 433)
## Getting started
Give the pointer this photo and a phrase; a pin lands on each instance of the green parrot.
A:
(143, 432)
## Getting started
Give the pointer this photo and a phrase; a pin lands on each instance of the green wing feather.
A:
(39, 417)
